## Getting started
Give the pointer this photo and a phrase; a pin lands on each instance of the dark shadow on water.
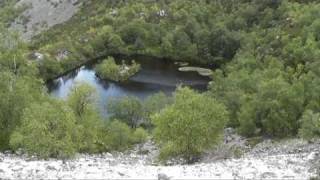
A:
(155, 76)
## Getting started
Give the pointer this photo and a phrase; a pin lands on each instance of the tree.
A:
(16, 93)
(139, 135)
(154, 104)
(81, 100)
(128, 109)
(191, 125)
(118, 136)
(48, 130)
(261, 97)
(310, 127)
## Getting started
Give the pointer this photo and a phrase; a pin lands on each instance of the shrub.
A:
(139, 135)
(81, 100)
(118, 136)
(127, 109)
(310, 127)
(108, 69)
(154, 104)
(47, 130)
(191, 125)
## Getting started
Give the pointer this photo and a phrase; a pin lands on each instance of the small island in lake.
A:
(109, 70)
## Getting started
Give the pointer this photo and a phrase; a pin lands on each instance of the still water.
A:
(155, 76)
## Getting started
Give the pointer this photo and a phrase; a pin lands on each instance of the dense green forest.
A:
(266, 83)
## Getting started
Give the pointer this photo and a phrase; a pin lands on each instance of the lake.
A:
(156, 75)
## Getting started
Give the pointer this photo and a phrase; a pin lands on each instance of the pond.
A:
(155, 76)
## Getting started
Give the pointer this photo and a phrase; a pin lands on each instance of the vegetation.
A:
(47, 130)
(127, 109)
(189, 126)
(266, 81)
(108, 69)
(135, 112)
(82, 100)
(119, 136)
(310, 127)
(9, 12)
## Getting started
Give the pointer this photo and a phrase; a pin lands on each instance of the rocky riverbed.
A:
(291, 159)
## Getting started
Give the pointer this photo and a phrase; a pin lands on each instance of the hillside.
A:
(219, 89)
(40, 15)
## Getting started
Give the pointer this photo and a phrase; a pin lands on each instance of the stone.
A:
(268, 175)
(312, 156)
(163, 176)
(121, 174)
(51, 168)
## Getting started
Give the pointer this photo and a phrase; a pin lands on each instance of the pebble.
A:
(163, 176)
(133, 165)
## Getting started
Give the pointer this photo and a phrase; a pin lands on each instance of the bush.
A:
(127, 109)
(108, 69)
(154, 104)
(47, 130)
(118, 136)
(310, 127)
(81, 100)
(247, 122)
(191, 125)
(139, 136)
(261, 101)
(50, 68)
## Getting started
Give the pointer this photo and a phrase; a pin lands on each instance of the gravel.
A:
(288, 159)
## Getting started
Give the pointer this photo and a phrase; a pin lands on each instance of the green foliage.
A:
(268, 78)
(16, 93)
(139, 135)
(263, 100)
(126, 109)
(118, 136)
(108, 69)
(191, 125)
(310, 127)
(9, 11)
(19, 86)
(47, 129)
(82, 101)
(50, 68)
(154, 104)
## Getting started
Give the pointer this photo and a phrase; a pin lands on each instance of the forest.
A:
(266, 81)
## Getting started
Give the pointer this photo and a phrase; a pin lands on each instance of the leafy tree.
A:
(154, 104)
(310, 127)
(139, 135)
(261, 100)
(118, 136)
(82, 101)
(108, 69)
(16, 93)
(47, 129)
(128, 109)
(223, 44)
(50, 69)
(191, 125)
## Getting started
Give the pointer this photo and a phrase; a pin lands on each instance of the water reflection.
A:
(153, 78)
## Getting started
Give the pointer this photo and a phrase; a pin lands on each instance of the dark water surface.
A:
(155, 76)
